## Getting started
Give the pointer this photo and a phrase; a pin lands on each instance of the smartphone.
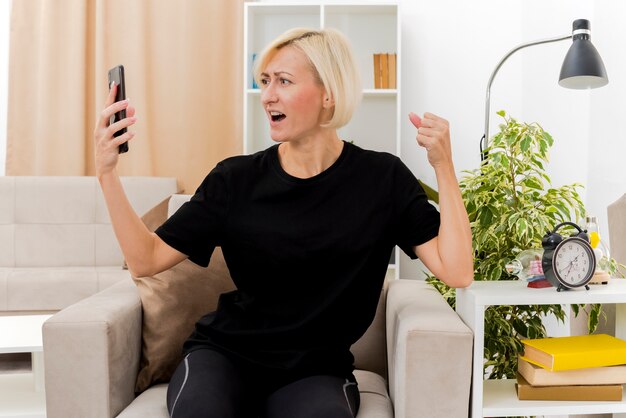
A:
(116, 74)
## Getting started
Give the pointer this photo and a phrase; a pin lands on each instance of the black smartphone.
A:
(116, 74)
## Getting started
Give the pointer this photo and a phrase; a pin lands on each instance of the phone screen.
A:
(116, 74)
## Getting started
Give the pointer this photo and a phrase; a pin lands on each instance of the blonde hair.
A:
(332, 62)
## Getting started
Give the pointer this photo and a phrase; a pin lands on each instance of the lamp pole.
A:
(485, 139)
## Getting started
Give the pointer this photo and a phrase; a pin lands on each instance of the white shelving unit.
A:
(497, 398)
(371, 28)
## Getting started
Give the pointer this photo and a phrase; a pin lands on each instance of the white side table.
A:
(22, 394)
(497, 398)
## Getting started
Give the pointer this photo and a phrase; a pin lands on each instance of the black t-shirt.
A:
(308, 256)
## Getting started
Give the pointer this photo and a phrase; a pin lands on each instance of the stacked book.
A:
(385, 71)
(578, 368)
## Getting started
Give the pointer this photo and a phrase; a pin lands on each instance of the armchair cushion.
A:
(172, 302)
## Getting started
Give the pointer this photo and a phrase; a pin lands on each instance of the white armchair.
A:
(92, 351)
(414, 361)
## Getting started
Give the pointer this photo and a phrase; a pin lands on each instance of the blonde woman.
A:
(307, 228)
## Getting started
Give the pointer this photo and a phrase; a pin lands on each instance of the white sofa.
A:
(57, 245)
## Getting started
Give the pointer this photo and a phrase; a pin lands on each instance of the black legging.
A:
(209, 385)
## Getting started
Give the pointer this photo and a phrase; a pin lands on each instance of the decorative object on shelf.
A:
(582, 68)
(527, 266)
(568, 263)
(601, 250)
(385, 71)
(252, 80)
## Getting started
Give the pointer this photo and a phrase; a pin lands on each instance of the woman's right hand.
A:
(106, 145)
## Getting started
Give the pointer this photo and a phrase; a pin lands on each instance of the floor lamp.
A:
(582, 68)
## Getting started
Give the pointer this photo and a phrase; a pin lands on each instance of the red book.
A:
(538, 284)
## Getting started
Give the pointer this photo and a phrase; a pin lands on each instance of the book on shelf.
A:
(528, 392)
(539, 284)
(391, 63)
(385, 76)
(575, 352)
(377, 80)
(384, 71)
(538, 376)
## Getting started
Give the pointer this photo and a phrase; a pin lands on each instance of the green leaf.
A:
(533, 183)
(505, 162)
(562, 207)
(522, 227)
(548, 138)
(525, 144)
(470, 206)
(510, 138)
(485, 216)
(513, 219)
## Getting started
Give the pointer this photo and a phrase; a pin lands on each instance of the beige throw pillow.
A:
(172, 303)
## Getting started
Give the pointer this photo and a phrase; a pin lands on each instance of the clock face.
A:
(574, 262)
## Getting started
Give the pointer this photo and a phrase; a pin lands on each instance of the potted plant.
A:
(511, 205)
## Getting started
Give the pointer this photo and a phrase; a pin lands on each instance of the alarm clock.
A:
(569, 262)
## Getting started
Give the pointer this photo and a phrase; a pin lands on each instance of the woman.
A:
(307, 228)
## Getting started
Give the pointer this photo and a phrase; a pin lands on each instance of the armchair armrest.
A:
(91, 354)
(429, 353)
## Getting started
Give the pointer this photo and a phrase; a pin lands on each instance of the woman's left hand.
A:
(433, 133)
(449, 256)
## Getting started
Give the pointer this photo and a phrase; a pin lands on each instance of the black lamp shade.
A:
(583, 67)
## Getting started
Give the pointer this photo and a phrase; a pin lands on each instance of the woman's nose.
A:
(268, 94)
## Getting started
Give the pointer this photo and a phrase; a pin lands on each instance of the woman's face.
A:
(291, 96)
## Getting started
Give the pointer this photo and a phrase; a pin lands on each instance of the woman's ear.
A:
(328, 101)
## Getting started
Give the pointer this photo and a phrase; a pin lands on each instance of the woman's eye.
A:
(284, 81)
(265, 81)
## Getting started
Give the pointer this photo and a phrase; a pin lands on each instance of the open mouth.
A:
(277, 116)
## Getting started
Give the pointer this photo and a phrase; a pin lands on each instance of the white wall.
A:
(5, 8)
(606, 143)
